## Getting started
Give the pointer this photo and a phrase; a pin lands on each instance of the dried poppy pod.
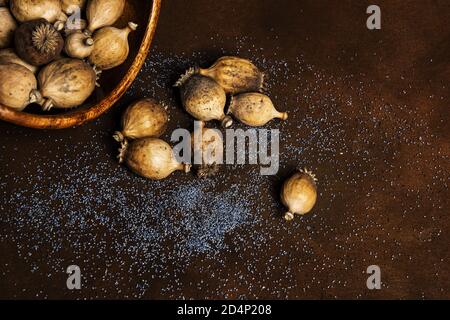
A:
(254, 109)
(235, 75)
(111, 46)
(151, 158)
(8, 56)
(66, 83)
(71, 6)
(28, 10)
(79, 45)
(203, 98)
(103, 13)
(143, 119)
(18, 86)
(38, 42)
(7, 27)
(299, 194)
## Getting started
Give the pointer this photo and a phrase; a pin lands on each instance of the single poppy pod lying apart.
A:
(235, 75)
(143, 119)
(203, 98)
(299, 194)
(151, 158)
(254, 109)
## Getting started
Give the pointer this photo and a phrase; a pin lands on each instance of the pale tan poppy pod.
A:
(151, 158)
(143, 119)
(235, 75)
(111, 46)
(70, 6)
(203, 98)
(103, 13)
(7, 27)
(8, 56)
(66, 83)
(17, 86)
(50, 10)
(78, 45)
(299, 194)
(254, 109)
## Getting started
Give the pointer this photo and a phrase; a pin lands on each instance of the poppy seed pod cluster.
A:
(31, 37)
(203, 93)
(143, 122)
(204, 96)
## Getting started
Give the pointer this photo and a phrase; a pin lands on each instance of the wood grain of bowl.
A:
(113, 83)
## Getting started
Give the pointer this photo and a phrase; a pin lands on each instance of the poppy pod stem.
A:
(288, 216)
(59, 25)
(118, 136)
(132, 26)
(47, 104)
(283, 115)
(186, 167)
(122, 151)
(98, 73)
(226, 122)
(35, 96)
(89, 41)
(61, 22)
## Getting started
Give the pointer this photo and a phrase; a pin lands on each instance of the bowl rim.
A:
(80, 117)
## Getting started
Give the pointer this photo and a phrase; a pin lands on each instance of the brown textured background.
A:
(389, 209)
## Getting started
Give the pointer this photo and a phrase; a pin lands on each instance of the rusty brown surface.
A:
(369, 115)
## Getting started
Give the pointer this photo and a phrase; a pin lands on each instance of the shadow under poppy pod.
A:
(254, 109)
(299, 194)
(151, 158)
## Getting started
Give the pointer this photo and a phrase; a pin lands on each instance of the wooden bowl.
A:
(113, 83)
